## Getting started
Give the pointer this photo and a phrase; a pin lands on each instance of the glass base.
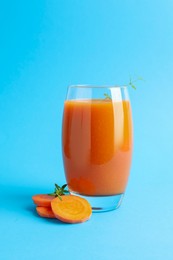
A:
(102, 203)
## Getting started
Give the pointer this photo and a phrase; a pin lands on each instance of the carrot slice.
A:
(45, 212)
(43, 200)
(71, 209)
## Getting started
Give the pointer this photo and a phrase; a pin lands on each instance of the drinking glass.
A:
(97, 143)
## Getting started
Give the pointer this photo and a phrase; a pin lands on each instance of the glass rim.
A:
(97, 86)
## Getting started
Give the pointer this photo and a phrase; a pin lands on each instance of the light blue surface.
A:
(45, 46)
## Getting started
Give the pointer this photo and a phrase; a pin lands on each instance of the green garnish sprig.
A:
(132, 82)
(107, 96)
(59, 191)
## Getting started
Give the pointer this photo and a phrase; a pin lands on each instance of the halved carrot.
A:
(45, 212)
(71, 209)
(43, 200)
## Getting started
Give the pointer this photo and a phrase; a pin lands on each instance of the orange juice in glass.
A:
(97, 141)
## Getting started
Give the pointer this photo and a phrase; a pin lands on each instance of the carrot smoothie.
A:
(97, 146)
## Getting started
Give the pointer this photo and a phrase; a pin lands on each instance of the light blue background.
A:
(46, 46)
